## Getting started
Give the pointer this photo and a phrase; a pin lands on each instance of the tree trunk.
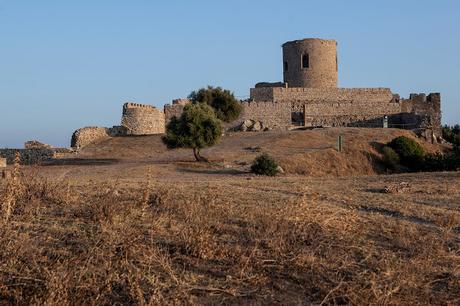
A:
(198, 157)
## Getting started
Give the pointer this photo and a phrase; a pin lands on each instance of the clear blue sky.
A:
(69, 64)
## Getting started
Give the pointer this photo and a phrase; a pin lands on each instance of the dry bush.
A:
(201, 243)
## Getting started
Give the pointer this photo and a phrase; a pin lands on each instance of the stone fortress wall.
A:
(88, 135)
(360, 107)
(422, 113)
(175, 108)
(27, 156)
(33, 156)
(270, 115)
(141, 119)
(137, 119)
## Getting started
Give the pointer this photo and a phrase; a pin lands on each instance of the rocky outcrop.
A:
(249, 125)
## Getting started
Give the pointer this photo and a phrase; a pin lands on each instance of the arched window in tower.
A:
(286, 66)
(305, 61)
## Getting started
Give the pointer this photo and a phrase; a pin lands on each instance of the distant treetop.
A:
(224, 103)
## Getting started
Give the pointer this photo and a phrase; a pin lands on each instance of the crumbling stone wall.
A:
(423, 113)
(117, 131)
(140, 119)
(175, 109)
(364, 107)
(34, 144)
(27, 156)
(88, 135)
(2, 162)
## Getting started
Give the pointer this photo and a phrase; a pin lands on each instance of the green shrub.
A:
(264, 164)
(410, 152)
(452, 134)
(442, 162)
(434, 162)
(391, 158)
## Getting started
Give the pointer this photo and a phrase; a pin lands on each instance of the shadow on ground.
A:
(81, 162)
(212, 171)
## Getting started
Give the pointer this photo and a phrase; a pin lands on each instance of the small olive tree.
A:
(197, 128)
(224, 103)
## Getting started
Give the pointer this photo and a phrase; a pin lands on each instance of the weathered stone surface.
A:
(246, 125)
(88, 135)
(34, 144)
(267, 114)
(117, 130)
(140, 119)
(257, 127)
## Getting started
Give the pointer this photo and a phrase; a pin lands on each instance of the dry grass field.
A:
(129, 222)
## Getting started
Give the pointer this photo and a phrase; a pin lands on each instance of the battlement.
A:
(304, 40)
(137, 105)
(433, 97)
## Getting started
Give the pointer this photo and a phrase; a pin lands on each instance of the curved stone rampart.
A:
(141, 119)
(88, 135)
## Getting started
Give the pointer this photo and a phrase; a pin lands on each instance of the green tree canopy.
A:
(197, 128)
(223, 102)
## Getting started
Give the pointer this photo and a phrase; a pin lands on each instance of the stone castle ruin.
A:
(308, 97)
(137, 119)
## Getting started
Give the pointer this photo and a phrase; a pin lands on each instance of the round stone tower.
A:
(141, 119)
(310, 63)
